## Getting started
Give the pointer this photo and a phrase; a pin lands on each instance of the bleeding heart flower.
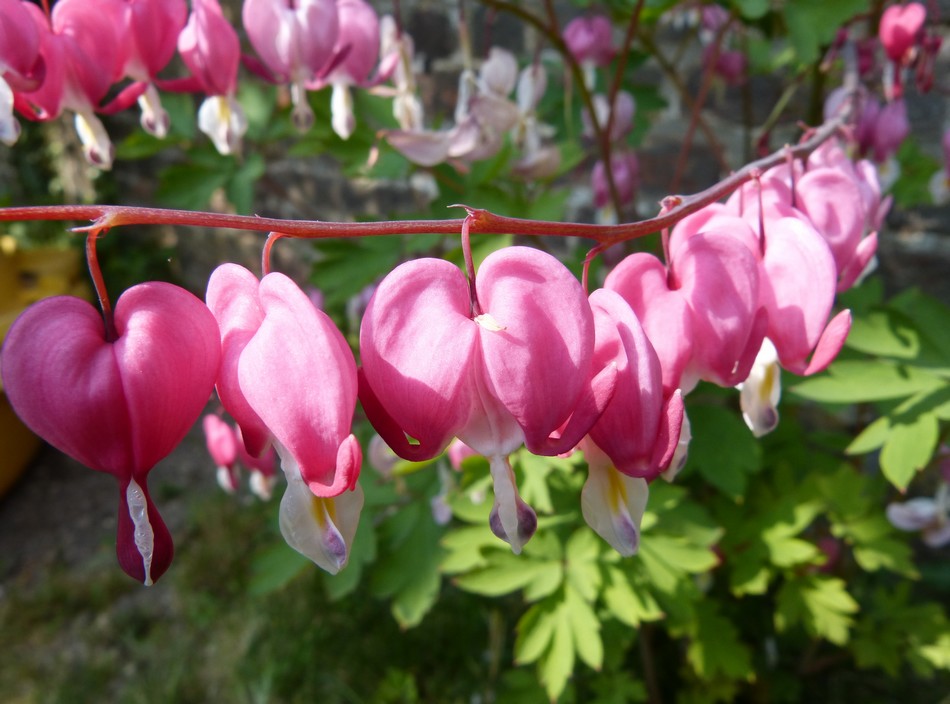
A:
(292, 368)
(642, 281)
(590, 40)
(295, 40)
(358, 44)
(640, 426)
(900, 28)
(210, 48)
(21, 65)
(222, 444)
(118, 406)
(153, 27)
(84, 49)
(612, 502)
(513, 365)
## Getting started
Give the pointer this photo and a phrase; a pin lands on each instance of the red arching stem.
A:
(265, 254)
(470, 263)
(100, 285)
(104, 217)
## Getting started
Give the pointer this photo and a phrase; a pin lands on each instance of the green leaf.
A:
(749, 573)
(715, 648)
(408, 568)
(813, 24)
(627, 603)
(557, 664)
(884, 333)
(535, 631)
(789, 552)
(190, 186)
(464, 548)
(583, 571)
(871, 438)
(242, 184)
(505, 573)
(723, 448)
(821, 604)
(752, 9)
(859, 381)
(585, 629)
(886, 553)
(908, 449)
(930, 316)
(273, 568)
(345, 267)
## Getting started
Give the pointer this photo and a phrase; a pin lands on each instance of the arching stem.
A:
(92, 261)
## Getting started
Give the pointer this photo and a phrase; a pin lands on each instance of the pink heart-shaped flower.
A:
(118, 406)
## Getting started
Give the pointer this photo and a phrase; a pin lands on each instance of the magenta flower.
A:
(901, 27)
(226, 448)
(117, 405)
(643, 281)
(222, 444)
(798, 293)
(21, 65)
(84, 49)
(210, 48)
(358, 44)
(840, 207)
(590, 40)
(641, 424)
(718, 276)
(514, 365)
(153, 27)
(626, 172)
(295, 41)
(295, 372)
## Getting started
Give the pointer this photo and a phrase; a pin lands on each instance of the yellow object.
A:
(26, 276)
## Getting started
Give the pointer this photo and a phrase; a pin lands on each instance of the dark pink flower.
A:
(900, 28)
(118, 406)
(640, 426)
(153, 27)
(21, 65)
(84, 49)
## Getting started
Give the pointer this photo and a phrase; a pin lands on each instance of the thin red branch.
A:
(481, 221)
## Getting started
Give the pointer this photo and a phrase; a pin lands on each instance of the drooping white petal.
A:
(341, 110)
(302, 113)
(321, 529)
(154, 119)
(613, 503)
(511, 519)
(759, 394)
(227, 479)
(96, 144)
(9, 127)
(143, 534)
(262, 485)
(222, 119)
